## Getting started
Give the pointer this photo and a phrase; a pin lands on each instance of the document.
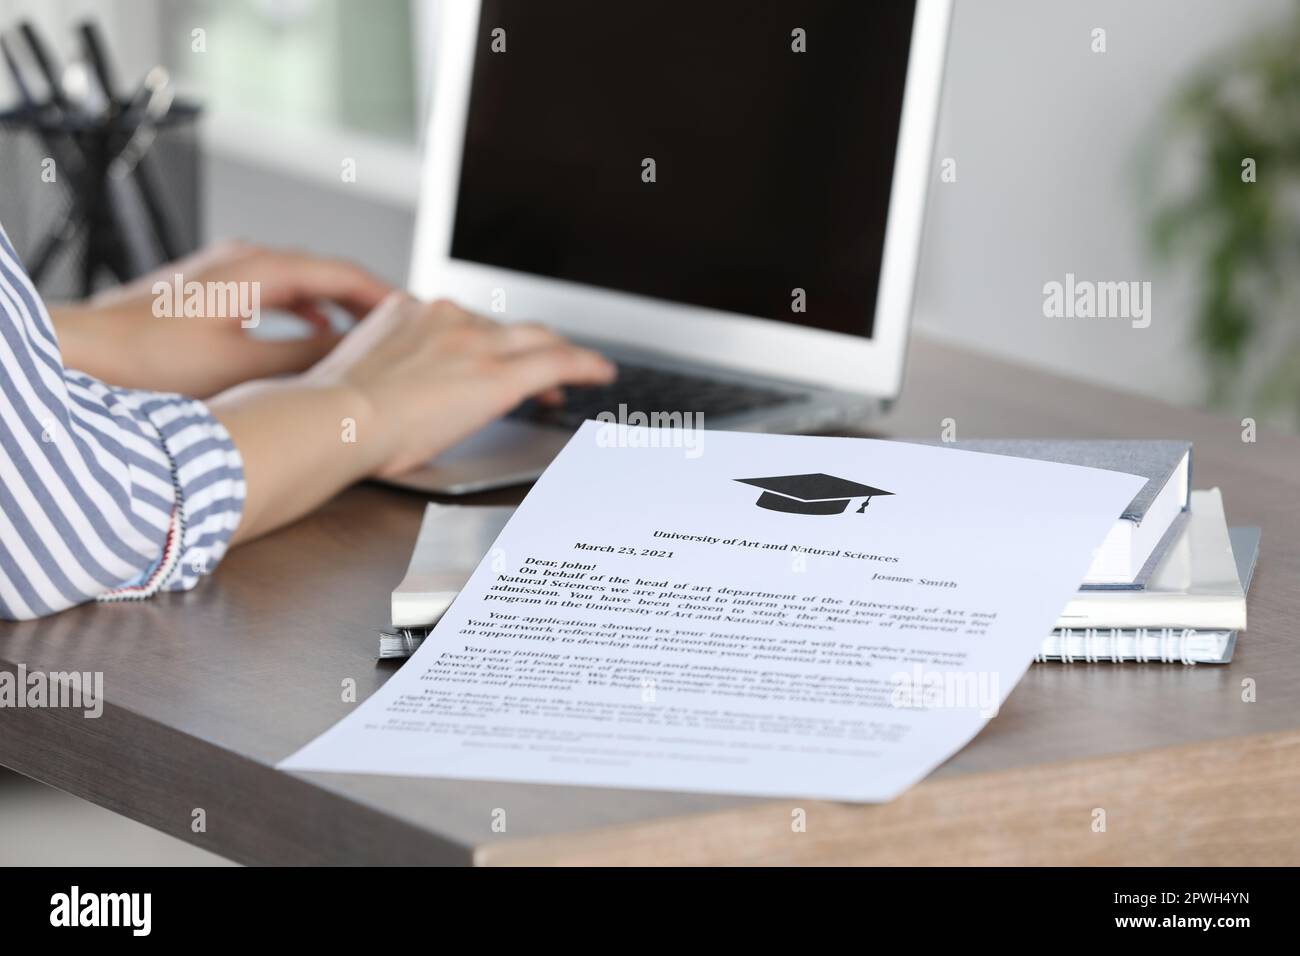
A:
(738, 613)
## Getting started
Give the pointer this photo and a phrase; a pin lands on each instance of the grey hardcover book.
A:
(1152, 519)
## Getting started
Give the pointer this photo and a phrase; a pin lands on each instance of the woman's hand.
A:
(408, 382)
(428, 375)
(118, 337)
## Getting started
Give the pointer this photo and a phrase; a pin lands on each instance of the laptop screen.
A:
(734, 154)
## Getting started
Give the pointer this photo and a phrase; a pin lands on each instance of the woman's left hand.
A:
(139, 336)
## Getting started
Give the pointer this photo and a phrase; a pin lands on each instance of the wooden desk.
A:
(205, 691)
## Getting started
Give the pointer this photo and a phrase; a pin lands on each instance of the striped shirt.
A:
(105, 493)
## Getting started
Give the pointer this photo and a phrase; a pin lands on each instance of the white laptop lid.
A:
(777, 230)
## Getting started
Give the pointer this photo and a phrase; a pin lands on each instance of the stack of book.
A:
(1168, 584)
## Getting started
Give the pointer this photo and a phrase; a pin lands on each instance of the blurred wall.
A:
(1047, 136)
(248, 201)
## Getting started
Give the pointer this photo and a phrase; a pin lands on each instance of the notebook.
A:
(1153, 519)
(1195, 585)
(1166, 644)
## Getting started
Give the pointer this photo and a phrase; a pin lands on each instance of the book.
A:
(1152, 520)
(1165, 644)
(451, 542)
(1195, 585)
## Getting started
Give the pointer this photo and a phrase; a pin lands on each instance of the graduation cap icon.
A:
(815, 494)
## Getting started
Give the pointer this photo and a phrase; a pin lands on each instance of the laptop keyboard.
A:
(646, 389)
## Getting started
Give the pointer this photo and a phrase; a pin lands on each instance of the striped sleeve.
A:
(105, 493)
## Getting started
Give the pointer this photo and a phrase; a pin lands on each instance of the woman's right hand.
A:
(427, 375)
(409, 381)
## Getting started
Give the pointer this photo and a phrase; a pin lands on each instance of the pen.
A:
(20, 81)
(44, 63)
(147, 109)
(97, 56)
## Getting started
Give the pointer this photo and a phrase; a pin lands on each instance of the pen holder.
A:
(91, 201)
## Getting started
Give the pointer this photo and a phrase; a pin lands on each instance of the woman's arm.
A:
(142, 335)
(111, 493)
(104, 492)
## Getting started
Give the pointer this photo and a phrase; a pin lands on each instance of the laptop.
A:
(725, 198)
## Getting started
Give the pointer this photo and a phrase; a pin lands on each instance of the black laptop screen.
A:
(771, 167)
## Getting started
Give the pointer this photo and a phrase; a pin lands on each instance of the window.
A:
(339, 66)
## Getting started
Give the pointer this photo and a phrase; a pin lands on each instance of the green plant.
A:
(1226, 196)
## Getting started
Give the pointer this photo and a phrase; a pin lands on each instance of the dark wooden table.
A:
(206, 691)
